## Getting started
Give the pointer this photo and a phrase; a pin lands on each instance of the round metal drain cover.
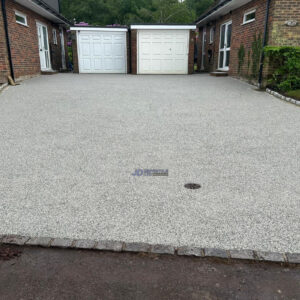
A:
(192, 186)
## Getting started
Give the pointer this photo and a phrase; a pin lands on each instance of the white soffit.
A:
(168, 27)
(40, 10)
(87, 28)
(234, 4)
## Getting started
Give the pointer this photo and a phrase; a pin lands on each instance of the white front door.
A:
(63, 51)
(102, 51)
(44, 47)
(225, 44)
(163, 51)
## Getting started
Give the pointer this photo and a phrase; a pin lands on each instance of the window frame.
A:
(249, 12)
(21, 15)
(54, 36)
(212, 35)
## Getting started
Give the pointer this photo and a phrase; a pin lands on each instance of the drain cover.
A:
(192, 186)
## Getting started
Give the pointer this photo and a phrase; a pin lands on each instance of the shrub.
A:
(241, 56)
(257, 49)
(285, 61)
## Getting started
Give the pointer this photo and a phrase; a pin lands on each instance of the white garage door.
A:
(163, 51)
(102, 52)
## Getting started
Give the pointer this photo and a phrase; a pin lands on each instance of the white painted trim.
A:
(38, 23)
(137, 53)
(40, 10)
(78, 56)
(223, 10)
(22, 15)
(159, 27)
(224, 50)
(248, 13)
(77, 28)
(171, 73)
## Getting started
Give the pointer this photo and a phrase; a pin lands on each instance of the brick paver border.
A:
(282, 97)
(117, 246)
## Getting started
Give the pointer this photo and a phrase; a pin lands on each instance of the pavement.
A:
(37, 273)
(70, 143)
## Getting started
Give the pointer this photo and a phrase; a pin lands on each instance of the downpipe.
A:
(12, 73)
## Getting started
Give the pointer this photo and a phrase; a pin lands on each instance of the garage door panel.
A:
(86, 49)
(119, 63)
(118, 50)
(145, 48)
(97, 49)
(86, 64)
(155, 65)
(102, 52)
(167, 65)
(163, 51)
(178, 64)
(166, 49)
(108, 63)
(98, 64)
(180, 48)
(107, 49)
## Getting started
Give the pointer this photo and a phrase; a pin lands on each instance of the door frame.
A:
(38, 23)
(121, 30)
(225, 49)
(158, 29)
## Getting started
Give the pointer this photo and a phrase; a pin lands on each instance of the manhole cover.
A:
(192, 186)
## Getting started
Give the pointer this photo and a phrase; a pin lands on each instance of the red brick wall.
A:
(4, 64)
(280, 33)
(24, 41)
(134, 52)
(242, 34)
(191, 52)
(75, 52)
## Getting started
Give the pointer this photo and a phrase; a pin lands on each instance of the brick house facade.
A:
(24, 41)
(246, 36)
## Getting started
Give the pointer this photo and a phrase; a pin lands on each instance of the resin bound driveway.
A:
(69, 144)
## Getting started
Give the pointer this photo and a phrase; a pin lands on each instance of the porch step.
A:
(49, 72)
(219, 74)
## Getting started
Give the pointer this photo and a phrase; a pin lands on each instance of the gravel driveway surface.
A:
(70, 143)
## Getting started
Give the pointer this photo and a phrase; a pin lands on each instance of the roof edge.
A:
(211, 10)
(45, 6)
(163, 26)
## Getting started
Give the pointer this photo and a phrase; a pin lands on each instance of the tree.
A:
(199, 6)
(125, 12)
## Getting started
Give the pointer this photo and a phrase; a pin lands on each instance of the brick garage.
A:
(156, 49)
(99, 49)
(246, 37)
(24, 40)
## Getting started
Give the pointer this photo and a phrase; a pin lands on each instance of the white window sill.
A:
(245, 23)
(25, 25)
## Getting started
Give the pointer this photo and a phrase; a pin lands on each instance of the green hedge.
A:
(285, 64)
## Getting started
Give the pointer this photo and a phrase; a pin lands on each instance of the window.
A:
(54, 37)
(211, 35)
(21, 18)
(249, 16)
